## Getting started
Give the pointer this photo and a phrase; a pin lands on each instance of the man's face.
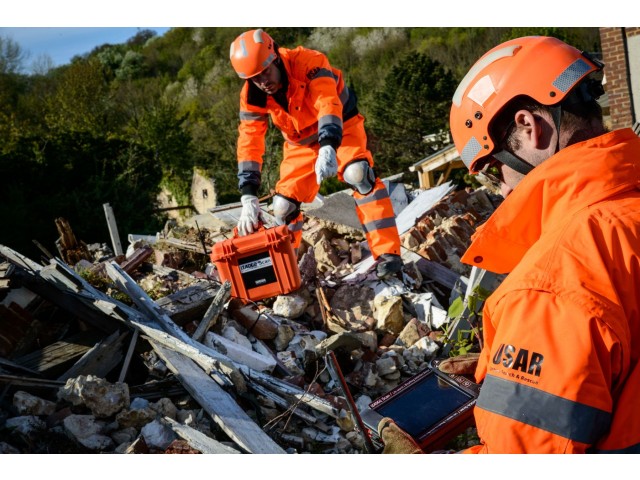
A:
(537, 140)
(510, 179)
(269, 80)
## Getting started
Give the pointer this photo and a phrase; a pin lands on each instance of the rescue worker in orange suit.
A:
(559, 367)
(324, 134)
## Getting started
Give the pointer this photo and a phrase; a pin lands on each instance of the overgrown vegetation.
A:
(119, 123)
(469, 311)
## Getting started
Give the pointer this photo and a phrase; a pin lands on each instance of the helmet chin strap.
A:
(513, 161)
(556, 114)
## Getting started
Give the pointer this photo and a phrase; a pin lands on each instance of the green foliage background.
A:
(118, 124)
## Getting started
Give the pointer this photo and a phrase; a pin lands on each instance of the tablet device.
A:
(433, 407)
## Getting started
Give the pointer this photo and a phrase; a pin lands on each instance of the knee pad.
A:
(360, 176)
(285, 210)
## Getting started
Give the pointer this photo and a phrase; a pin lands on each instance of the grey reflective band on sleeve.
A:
(571, 75)
(295, 226)
(253, 116)
(344, 95)
(379, 224)
(531, 406)
(324, 72)
(248, 166)
(377, 195)
(470, 150)
(328, 120)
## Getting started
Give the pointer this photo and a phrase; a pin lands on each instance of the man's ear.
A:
(530, 127)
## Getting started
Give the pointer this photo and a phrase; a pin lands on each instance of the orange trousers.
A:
(375, 212)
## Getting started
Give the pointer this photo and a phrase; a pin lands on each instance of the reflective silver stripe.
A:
(244, 48)
(257, 36)
(503, 52)
(344, 95)
(305, 141)
(569, 419)
(379, 224)
(329, 119)
(294, 227)
(377, 195)
(324, 72)
(571, 75)
(269, 59)
(632, 449)
(253, 116)
(248, 166)
(470, 150)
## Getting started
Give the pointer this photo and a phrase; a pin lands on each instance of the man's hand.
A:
(460, 365)
(326, 163)
(395, 439)
(251, 215)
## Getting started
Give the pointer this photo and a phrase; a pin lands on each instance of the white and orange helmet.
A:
(251, 52)
(543, 68)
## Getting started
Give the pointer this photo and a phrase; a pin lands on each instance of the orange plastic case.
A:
(260, 265)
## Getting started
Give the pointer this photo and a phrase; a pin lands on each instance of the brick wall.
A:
(618, 86)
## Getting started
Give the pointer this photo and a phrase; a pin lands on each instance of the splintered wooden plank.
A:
(188, 303)
(138, 257)
(6, 270)
(16, 380)
(100, 359)
(224, 411)
(19, 259)
(197, 439)
(211, 315)
(59, 352)
(127, 358)
(431, 270)
(145, 303)
(113, 228)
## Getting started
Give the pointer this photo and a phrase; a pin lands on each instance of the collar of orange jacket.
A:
(574, 178)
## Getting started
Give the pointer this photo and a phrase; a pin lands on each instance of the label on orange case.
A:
(257, 270)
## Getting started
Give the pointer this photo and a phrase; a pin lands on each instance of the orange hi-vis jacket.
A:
(560, 361)
(313, 109)
(315, 95)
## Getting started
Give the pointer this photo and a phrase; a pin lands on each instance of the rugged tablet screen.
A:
(432, 407)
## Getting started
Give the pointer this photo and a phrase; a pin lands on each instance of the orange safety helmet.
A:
(543, 68)
(251, 52)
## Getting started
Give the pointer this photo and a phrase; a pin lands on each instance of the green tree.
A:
(289, 37)
(414, 102)
(132, 66)
(160, 131)
(71, 175)
(11, 56)
(80, 102)
(457, 48)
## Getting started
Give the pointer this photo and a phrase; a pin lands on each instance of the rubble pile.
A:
(148, 353)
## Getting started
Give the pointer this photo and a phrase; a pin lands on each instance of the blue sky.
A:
(63, 43)
(59, 29)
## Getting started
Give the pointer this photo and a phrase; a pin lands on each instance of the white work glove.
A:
(251, 215)
(326, 163)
